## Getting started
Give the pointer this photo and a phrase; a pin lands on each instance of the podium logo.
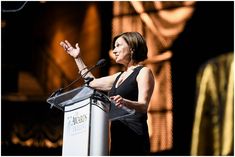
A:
(79, 119)
(77, 124)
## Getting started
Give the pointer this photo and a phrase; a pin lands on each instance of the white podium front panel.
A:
(99, 130)
(76, 129)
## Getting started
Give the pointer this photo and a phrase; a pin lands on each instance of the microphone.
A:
(100, 63)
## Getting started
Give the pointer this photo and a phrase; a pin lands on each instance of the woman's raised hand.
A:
(74, 52)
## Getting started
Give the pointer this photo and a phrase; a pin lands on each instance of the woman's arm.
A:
(75, 53)
(145, 80)
(103, 83)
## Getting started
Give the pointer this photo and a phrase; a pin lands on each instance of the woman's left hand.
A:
(118, 100)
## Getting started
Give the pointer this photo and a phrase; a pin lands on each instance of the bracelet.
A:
(80, 72)
(76, 57)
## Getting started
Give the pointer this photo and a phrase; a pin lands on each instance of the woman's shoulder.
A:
(145, 71)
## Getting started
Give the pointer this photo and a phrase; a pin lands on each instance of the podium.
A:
(87, 113)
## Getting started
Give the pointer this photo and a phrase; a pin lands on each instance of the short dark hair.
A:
(136, 42)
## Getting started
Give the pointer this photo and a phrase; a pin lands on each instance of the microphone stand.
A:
(88, 80)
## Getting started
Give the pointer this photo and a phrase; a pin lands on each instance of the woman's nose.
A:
(114, 52)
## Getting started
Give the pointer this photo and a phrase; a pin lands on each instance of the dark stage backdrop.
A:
(209, 33)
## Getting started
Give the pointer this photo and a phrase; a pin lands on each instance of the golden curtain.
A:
(213, 124)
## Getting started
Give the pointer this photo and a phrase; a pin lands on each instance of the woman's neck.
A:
(132, 66)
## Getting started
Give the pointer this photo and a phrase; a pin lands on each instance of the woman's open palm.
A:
(74, 52)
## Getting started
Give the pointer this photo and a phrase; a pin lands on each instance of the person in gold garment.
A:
(213, 129)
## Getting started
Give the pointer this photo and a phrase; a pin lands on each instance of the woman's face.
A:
(121, 51)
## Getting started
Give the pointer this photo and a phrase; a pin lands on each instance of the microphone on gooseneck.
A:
(100, 63)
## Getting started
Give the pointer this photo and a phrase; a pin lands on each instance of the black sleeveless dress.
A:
(129, 135)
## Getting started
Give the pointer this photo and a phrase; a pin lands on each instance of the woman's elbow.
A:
(143, 108)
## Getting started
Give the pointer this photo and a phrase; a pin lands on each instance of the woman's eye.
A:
(118, 44)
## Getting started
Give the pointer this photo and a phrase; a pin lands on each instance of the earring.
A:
(132, 54)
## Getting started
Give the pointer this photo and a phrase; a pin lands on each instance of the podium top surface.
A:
(70, 97)
(79, 94)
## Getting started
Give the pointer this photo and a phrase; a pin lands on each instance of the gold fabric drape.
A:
(213, 124)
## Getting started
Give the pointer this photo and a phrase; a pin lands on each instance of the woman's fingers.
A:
(118, 100)
(74, 52)
(65, 45)
(77, 46)
(68, 44)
